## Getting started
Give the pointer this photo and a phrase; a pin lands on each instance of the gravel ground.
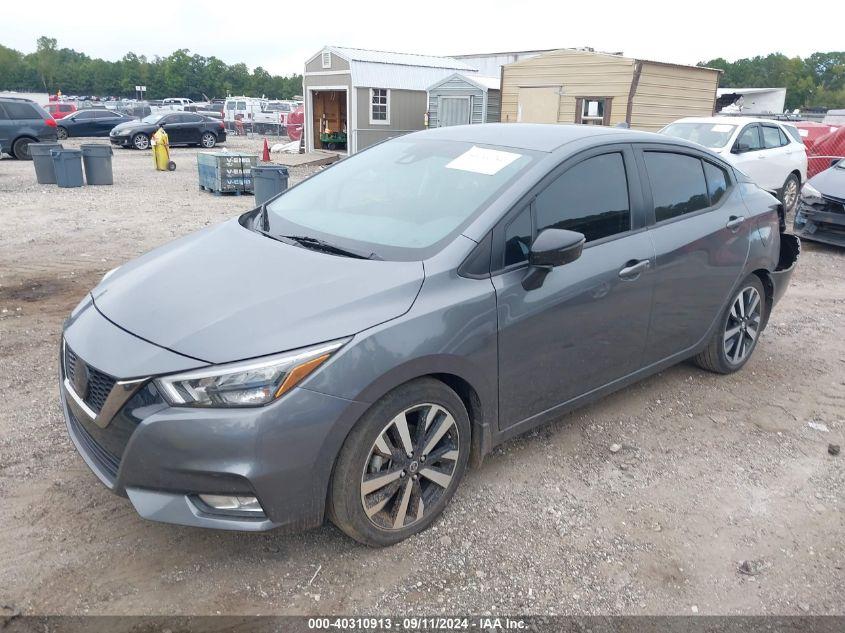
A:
(710, 471)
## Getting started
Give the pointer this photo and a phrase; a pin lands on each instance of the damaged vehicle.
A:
(347, 349)
(820, 215)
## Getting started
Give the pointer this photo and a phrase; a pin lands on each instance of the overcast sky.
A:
(280, 34)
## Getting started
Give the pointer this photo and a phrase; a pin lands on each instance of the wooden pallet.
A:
(217, 192)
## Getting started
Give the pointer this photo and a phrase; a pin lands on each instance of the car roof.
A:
(17, 99)
(730, 120)
(540, 137)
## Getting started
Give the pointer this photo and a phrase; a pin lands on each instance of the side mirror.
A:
(552, 248)
(740, 148)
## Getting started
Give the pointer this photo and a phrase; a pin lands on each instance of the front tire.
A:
(61, 133)
(741, 324)
(141, 141)
(789, 193)
(208, 140)
(400, 464)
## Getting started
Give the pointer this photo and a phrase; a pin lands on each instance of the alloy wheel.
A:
(410, 466)
(790, 194)
(743, 325)
(61, 133)
(208, 140)
(141, 141)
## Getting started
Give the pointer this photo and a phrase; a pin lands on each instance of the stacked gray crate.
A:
(226, 172)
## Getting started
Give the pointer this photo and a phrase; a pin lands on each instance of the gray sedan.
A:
(348, 349)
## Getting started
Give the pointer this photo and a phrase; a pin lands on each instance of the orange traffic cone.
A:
(266, 156)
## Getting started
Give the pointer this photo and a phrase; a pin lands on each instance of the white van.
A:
(243, 108)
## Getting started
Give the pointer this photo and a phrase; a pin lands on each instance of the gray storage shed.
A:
(368, 96)
(461, 99)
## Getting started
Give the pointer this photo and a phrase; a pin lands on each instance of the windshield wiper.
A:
(328, 247)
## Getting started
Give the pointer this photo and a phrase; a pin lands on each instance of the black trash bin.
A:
(267, 181)
(97, 160)
(45, 173)
(68, 166)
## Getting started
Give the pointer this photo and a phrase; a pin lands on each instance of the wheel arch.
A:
(22, 137)
(768, 285)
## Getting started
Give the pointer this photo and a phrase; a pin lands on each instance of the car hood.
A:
(830, 182)
(227, 293)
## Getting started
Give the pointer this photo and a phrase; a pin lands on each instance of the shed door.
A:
(454, 111)
(538, 105)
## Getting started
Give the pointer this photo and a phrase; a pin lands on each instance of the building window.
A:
(327, 59)
(593, 110)
(379, 106)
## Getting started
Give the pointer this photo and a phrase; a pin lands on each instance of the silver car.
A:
(346, 350)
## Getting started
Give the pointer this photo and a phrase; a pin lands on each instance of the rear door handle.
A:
(634, 268)
(734, 222)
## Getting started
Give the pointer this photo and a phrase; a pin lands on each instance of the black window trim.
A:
(651, 220)
(636, 202)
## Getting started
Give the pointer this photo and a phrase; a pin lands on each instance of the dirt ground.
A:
(712, 471)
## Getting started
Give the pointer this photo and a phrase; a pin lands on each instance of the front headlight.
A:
(246, 384)
(810, 194)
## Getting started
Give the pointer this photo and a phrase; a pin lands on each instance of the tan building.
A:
(578, 86)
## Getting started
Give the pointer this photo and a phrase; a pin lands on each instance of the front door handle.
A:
(634, 268)
(734, 222)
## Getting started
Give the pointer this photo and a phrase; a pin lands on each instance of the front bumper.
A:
(122, 141)
(825, 225)
(161, 457)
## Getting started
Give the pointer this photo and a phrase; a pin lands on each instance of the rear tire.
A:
(208, 140)
(20, 149)
(740, 326)
(416, 439)
(61, 133)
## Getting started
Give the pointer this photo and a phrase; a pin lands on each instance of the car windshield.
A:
(712, 135)
(152, 118)
(398, 199)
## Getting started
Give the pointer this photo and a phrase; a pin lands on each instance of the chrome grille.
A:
(99, 384)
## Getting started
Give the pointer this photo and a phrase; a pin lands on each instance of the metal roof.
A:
(402, 59)
(399, 71)
(481, 81)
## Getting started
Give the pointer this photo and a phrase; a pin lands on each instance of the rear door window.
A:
(717, 182)
(590, 198)
(18, 110)
(772, 136)
(677, 184)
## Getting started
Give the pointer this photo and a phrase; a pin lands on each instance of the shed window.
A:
(379, 106)
(593, 110)
(327, 59)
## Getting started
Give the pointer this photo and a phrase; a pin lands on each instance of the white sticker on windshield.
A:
(721, 127)
(483, 161)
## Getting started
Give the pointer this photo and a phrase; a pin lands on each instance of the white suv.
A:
(770, 152)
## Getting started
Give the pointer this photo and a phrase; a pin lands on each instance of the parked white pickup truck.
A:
(273, 118)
